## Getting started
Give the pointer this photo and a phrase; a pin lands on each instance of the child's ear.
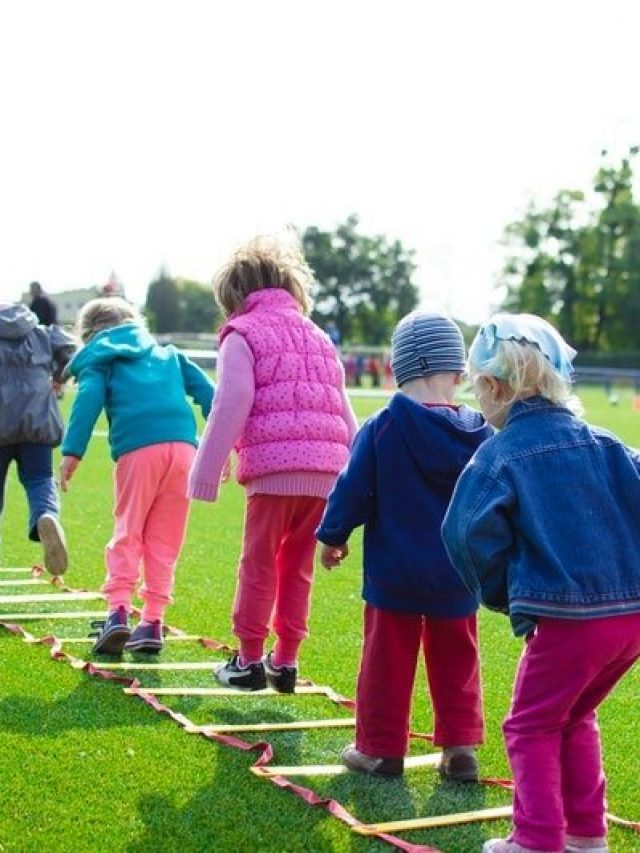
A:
(495, 386)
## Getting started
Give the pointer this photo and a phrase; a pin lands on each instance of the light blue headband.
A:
(521, 327)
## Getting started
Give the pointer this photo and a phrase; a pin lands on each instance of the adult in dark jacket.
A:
(32, 359)
(400, 476)
(44, 308)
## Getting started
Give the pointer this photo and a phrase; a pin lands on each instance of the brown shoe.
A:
(53, 544)
(459, 764)
(356, 760)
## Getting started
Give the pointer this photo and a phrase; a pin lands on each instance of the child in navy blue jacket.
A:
(403, 467)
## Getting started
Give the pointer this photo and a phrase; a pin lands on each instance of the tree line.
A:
(574, 261)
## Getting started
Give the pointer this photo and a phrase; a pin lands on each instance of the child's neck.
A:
(434, 390)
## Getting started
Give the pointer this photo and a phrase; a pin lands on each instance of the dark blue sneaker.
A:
(113, 633)
(145, 638)
(233, 674)
(281, 678)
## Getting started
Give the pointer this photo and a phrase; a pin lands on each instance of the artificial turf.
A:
(85, 767)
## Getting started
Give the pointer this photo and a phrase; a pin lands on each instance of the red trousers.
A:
(276, 573)
(387, 671)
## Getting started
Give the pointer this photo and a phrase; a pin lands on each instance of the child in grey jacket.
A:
(32, 360)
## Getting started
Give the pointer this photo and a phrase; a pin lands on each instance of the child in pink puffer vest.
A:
(281, 403)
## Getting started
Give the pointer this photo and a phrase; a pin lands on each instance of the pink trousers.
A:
(551, 732)
(392, 642)
(276, 573)
(151, 508)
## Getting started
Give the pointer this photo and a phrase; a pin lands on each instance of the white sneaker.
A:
(233, 674)
(53, 544)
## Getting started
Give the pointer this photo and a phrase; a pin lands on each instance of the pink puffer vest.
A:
(296, 422)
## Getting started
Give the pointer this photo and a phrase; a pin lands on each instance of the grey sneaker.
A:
(281, 678)
(54, 545)
(459, 764)
(233, 674)
(504, 845)
(145, 638)
(113, 633)
(576, 844)
(356, 760)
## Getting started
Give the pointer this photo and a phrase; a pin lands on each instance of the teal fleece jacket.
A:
(142, 387)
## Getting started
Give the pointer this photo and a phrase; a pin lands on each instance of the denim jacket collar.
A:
(533, 405)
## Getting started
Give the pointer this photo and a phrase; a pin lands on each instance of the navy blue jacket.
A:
(545, 520)
(401, 472)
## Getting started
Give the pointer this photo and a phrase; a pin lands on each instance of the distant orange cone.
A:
(635, 405)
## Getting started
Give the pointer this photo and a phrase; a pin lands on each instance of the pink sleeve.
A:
(229, 413)
(347, 412)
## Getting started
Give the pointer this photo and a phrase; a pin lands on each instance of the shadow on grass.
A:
(233, 811)
(85, 707)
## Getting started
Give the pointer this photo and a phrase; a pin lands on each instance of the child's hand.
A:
(332, 555)
(67, 470)
(225, 476)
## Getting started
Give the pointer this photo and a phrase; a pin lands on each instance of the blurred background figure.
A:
(113, 287)
(33, 357)
(43, 307)
(334, 334)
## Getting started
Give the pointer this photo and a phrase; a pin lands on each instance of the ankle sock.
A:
(251, 651)
(285, 653)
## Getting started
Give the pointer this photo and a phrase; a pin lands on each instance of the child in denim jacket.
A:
(545, 524)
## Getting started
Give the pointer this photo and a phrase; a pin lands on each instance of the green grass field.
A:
(85, 768)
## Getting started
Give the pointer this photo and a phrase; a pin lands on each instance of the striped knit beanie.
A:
(426, 343)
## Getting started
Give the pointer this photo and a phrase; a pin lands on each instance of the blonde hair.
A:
(527, 371)
(262, 263)
(105, 313)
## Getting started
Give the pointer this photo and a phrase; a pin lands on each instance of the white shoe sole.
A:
(53, 544)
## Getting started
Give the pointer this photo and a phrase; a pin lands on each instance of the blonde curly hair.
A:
(105, 313)
(262, 263)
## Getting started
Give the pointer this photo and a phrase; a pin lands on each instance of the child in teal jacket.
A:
(152, 435)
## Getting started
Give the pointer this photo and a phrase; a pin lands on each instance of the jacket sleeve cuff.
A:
(203, 491)
(330, 539)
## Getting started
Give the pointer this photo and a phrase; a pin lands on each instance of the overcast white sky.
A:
(137, 133)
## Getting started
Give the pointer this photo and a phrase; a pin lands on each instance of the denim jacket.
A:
(545, 519)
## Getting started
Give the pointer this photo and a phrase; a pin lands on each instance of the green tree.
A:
(363, 283)
(180, 305)
(199, 310)
(162, 306)
(577, 263)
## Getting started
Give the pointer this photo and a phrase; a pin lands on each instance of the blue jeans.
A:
(35, 472)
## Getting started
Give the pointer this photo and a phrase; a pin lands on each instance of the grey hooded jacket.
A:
(30, 356)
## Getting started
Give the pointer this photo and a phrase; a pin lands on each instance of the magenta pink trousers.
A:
(275, 574)
(151, 508)
(392, 642)
(551, 732)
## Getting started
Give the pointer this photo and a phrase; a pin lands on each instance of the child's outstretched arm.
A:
(229, 413)
(478, 536)
(67, 470)
(352, 500)
(63, 348)
(197, 384)
(88, 404)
